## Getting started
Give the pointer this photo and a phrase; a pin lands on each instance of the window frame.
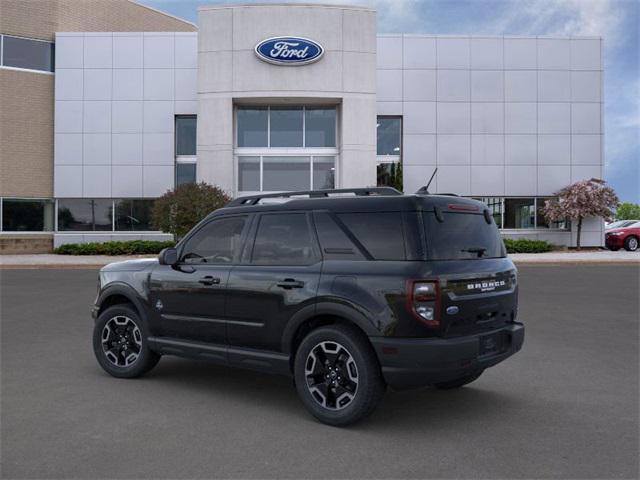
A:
(208, 221)
(567, 227)
(390, 159)
(54, 220)
(22, 69)
(247, 255)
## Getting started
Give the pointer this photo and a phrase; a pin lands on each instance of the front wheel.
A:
(631, 244)
(120, 343)
(337, 375)
(458, 382)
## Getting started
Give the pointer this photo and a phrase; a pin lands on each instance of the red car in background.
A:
(626, 237)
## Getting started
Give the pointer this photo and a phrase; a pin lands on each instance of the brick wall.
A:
(26, 116)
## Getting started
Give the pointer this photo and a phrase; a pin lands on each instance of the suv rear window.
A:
(462, 236)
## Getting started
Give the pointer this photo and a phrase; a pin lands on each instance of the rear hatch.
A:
(477, 281)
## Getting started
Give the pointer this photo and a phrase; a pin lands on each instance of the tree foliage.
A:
(628, 211)
(178, 211)
(586, 198)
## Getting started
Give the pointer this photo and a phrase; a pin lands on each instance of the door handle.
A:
(289, 283)
(209, 280)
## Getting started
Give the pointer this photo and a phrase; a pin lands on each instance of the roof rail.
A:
(359, 192)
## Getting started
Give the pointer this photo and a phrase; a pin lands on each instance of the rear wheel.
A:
(337, 375)
(631, 244)
(120, 343)
(458, 382)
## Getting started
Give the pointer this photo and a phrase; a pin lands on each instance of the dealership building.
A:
(107, 105)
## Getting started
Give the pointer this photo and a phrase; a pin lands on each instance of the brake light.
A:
(423, 301)
(463, 207)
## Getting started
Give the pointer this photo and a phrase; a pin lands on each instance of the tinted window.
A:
(25, 53)
(462, 236)
(185, 173)
(389, 133)
(133, 215)
(217, 242)
(519, 213)
(320, 127)
(84, 215)
(186, 135)
(249, 174)
(283, 239)
(27, 215)
(286, 127)
(380, 233)
(253, 127)
(285, 173)
(334, 242)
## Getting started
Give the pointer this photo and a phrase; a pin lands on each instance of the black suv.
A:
(346, 291)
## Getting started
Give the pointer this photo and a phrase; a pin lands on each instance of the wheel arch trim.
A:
(124, 290)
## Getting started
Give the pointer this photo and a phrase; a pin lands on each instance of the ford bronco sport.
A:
(348, 292)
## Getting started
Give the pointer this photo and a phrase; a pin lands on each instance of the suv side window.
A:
(380, 233)
(218, 242)
(283, 239)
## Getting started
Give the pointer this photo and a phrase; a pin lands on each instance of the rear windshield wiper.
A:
(479, 250)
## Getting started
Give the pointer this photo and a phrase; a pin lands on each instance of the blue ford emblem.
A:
(452, 310)
(289, 50)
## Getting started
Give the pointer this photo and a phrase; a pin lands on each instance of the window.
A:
(286, 127)
(27, 215)
(389, 151)
(381, 234)
(461, 236)
(389, 133)
(253, 127)
(185, 135)
(186, 160)
(285, 173)
(320, 127)
(85, 215)
(541, 221)
(218, 242)
(494, 204)
(26, 53)
(277, 173)
(334, 242)
(284, 148)
(133, 215)
(185, 173)
(519, 213)
(283, 239)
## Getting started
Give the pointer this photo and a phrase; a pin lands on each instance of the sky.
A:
(617, 21)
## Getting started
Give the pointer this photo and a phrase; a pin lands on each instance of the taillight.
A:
(423, 300)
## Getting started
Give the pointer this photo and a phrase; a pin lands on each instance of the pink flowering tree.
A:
(586, 198)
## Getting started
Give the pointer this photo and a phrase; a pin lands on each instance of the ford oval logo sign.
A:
(289, 51)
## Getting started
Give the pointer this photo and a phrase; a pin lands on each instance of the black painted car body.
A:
(438, 304)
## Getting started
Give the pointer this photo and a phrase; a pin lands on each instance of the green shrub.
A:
(524, 245)
(131, 247)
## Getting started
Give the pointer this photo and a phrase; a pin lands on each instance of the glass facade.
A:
(133, 215)
(85, 215)
(27, 215)
(520, 213)
(18, 52)
(283, 148)
(286, 127)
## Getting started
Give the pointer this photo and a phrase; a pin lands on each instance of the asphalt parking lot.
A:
(566, 406)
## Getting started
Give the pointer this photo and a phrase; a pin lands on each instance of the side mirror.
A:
(168, 256)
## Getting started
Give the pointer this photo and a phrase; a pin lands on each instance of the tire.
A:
(348, 387)
(121, 328)
(458, 382)
(631, 243)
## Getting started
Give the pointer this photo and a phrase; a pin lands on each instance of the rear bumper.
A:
(412, 363)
